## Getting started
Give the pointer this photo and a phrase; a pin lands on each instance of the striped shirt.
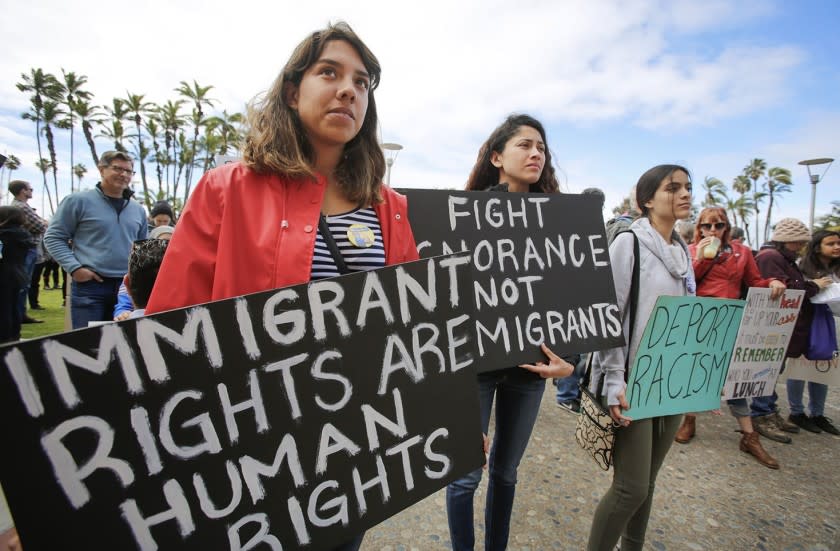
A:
(357, 258)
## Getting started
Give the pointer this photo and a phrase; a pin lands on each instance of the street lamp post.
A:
(815, 178)
(391, 151)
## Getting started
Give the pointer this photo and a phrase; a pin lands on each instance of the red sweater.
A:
(722, 277)
(243, 232)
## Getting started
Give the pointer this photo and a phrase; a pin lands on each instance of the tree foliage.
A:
(176, 136)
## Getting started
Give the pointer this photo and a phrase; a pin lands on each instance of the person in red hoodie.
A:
(722, 266)
(311, 178)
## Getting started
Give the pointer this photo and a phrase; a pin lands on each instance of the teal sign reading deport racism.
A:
(683, 356)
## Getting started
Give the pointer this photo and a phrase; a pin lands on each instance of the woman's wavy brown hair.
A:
(276, 140)
(485, 175)
(718, 212)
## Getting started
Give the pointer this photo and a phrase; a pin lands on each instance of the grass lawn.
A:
(53, 316)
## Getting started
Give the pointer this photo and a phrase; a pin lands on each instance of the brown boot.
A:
(686, 431)
(751, 444)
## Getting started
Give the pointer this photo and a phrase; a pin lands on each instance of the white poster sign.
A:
(762, 341)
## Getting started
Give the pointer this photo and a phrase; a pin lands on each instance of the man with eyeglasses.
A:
(101, 223)
(35, 225)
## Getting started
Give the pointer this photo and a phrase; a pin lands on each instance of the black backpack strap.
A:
(332, 245)
(632, 304)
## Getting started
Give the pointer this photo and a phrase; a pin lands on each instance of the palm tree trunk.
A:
(41, 156)
(86, 130)
(72, 164)
(142, 154)
(53, 159)
(767, 219)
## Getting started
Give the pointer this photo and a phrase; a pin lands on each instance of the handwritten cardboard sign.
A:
(291, 419)
(683, 356)
(541, 268)
(763, 338)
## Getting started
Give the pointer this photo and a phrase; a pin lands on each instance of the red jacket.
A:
(243, 232)
(721, 277)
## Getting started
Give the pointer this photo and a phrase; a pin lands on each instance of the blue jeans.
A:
(29, 267)
(816, 394)
(568, 389)
(518, 397)
(93, 301)
(765, 405)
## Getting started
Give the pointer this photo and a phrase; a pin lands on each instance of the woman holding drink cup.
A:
(722, 267)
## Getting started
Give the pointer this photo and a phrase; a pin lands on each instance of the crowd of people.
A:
(312, 168)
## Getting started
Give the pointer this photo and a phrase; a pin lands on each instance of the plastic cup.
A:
(711, 250)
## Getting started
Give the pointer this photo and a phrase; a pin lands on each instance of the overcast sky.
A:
(620, 85)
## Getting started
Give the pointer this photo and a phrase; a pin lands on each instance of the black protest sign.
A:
(541, 268)
(289, 419)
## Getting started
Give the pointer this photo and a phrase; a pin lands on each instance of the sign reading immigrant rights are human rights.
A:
(289, 419)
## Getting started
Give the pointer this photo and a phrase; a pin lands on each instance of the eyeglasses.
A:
(717, 225)
(121, 170)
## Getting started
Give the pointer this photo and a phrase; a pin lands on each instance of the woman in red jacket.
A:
(311, 149)
(311, 174)
(722, 267)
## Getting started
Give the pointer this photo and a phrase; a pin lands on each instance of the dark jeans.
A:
(35, 284)
(28, 266)
(51, 269)
(518, 397)
(93, 301)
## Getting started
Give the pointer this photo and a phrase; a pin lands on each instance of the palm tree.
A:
(114, 130)
(171, 120)
(743, 206)
(741, 184)
(42, 86)
(79, 170)
(755, 170)
(73, 93)
(198, 95)
(12, 164)
(778, 181)
(715, 191)
(135, 105)
(153, 128)
(52, 115)
(88, 114)
(44, 166)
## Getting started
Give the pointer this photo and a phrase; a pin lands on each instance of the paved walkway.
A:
(710, 495)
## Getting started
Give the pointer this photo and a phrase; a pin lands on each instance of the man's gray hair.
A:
(108, 156)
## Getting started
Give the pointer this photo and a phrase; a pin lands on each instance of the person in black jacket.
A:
(16, 243)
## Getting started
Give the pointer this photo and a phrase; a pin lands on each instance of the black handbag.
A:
(595, 431)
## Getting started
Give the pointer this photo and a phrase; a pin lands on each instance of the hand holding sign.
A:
(615, 411)
(557, 368)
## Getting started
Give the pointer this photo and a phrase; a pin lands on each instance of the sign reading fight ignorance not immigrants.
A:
(763, 338)
(683, 356)
(541, 268)
(289, 419)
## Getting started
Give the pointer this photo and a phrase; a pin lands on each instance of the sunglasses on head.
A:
(717, 226)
